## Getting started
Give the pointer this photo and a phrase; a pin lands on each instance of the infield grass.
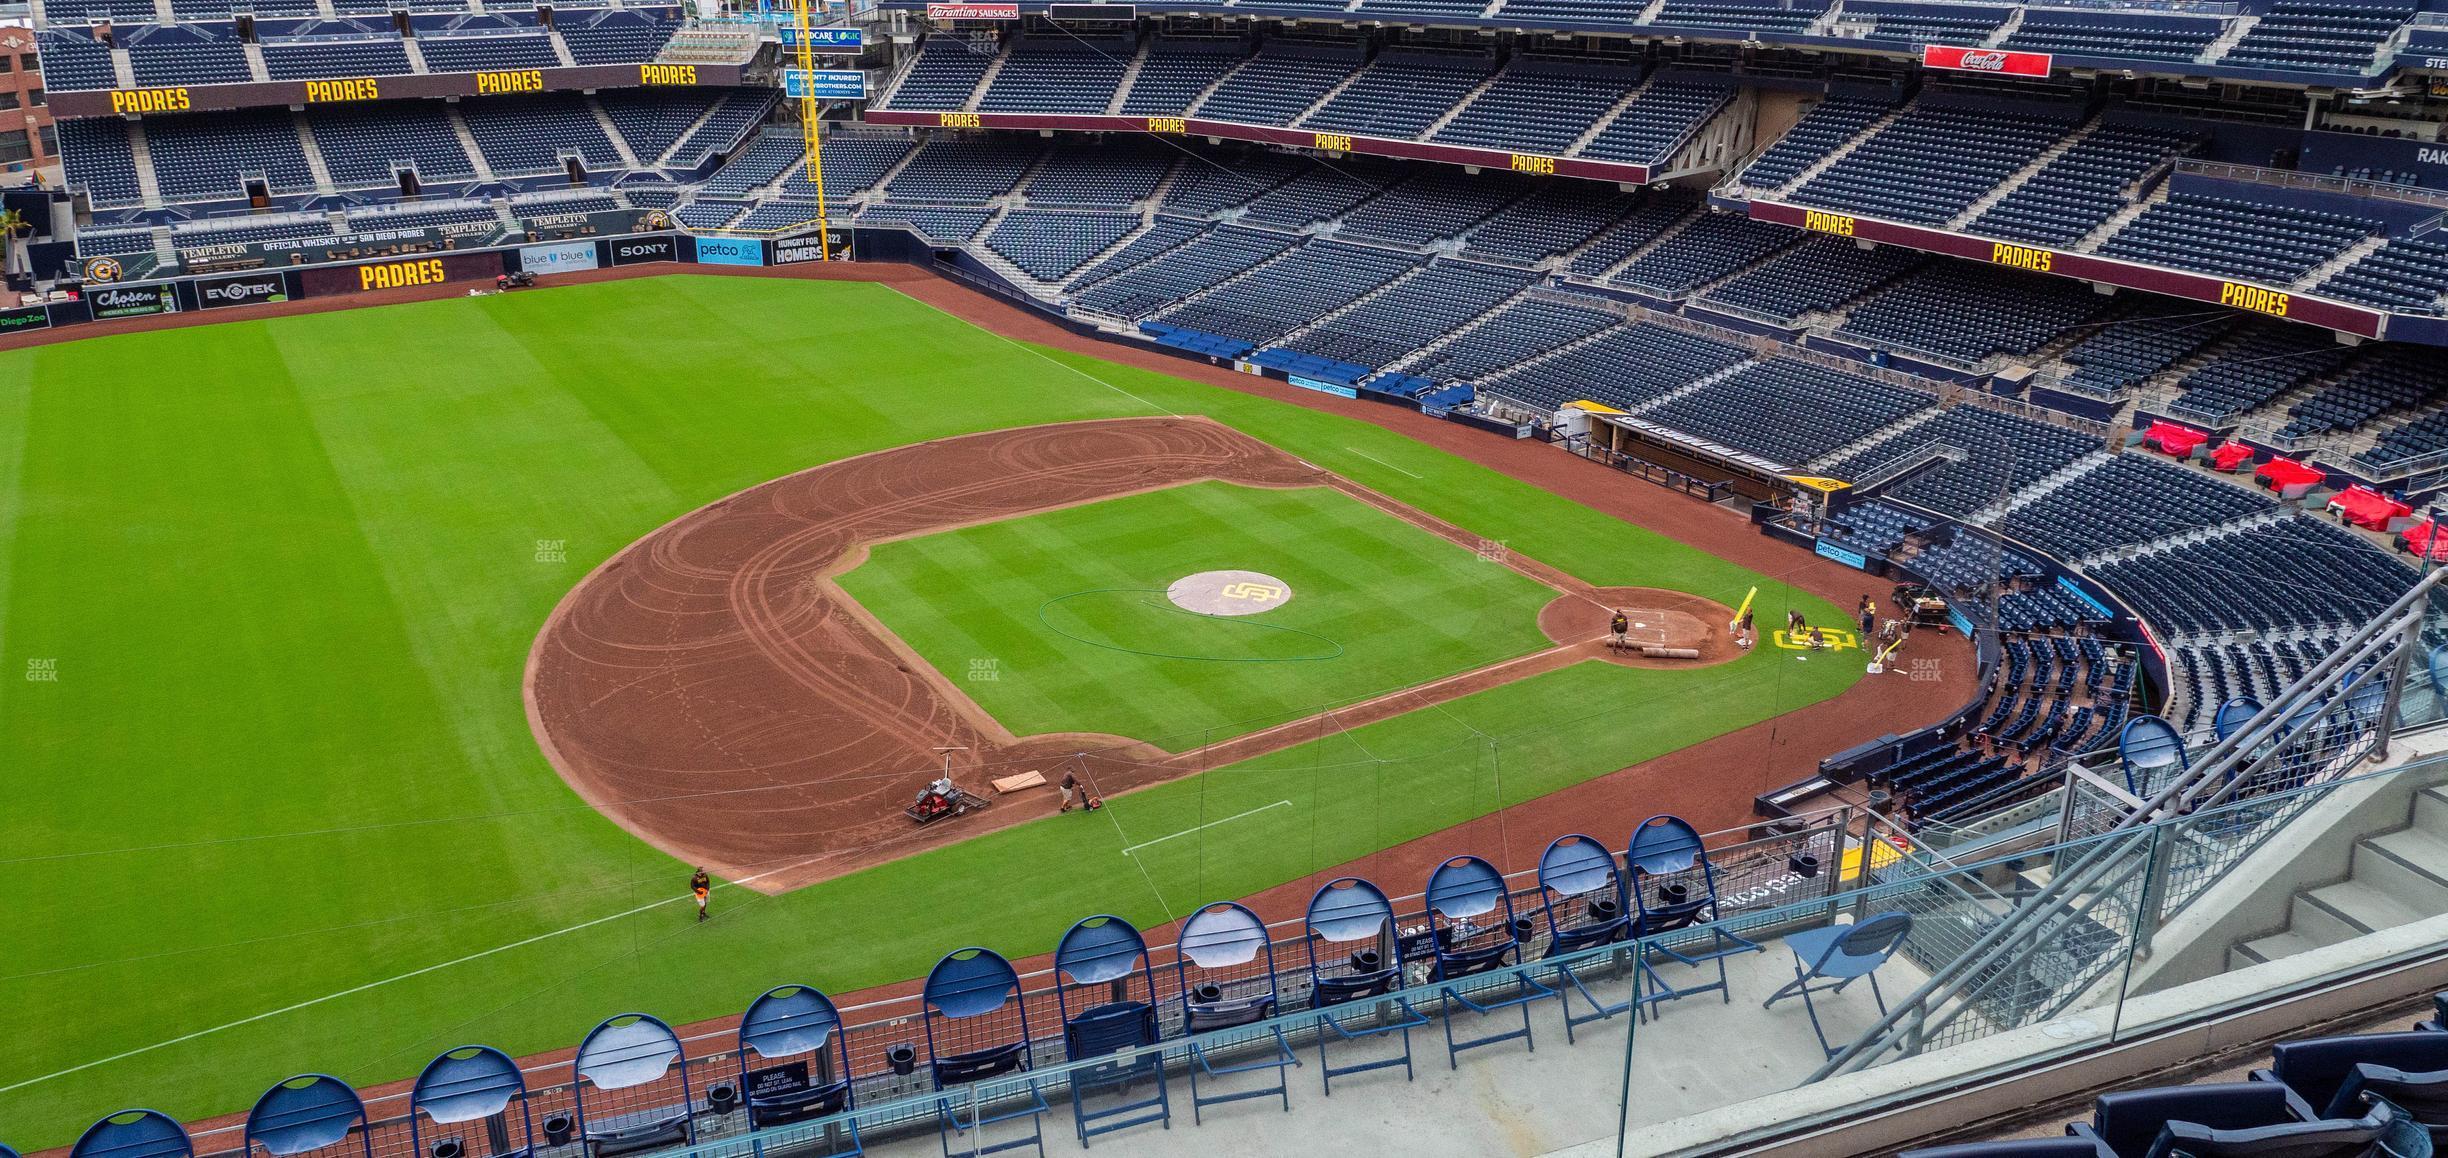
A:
(1043, 620)
(279, 810)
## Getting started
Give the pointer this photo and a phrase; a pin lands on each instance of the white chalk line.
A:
(1382, 462)
(370, 985)
(1187, 831)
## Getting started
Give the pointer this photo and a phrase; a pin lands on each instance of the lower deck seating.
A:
(1818, 275)
(1294, 290)
(2002, 455)
(1788, 412)
(1047, 245)
(2131, 498)
(2269, 243)
(1968, 313)
(1623, 367)
(1412, 314)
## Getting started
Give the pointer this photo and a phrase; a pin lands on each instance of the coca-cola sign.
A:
(1990, 60)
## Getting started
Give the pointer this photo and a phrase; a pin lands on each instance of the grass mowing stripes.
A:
(291, 569)
(1377, 604)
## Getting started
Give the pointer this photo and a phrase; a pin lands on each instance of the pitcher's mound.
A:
(1229, 592)
(1657, 618)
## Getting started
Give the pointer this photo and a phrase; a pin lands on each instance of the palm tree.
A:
(13, 225)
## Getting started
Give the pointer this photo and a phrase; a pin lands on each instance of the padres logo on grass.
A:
(1228, 592)
(1836, 638)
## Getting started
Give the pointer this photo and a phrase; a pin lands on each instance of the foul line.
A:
(1382, 462)
(1011, 341)
(1185, 832)
(435, 968)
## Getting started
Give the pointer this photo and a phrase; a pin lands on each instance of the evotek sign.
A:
(1996, 61)
(242, 290)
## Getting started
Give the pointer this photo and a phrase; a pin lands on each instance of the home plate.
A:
(1229, 592)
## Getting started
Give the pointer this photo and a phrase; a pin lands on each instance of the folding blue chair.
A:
(134, 1134)
(2233, 715)
(977, 1032)
(787, 1029)
(1581, 890)
(1674, 888)
(1224, 970)
(2152, 752)
(1350, 911)
(1840, 955)
(1470, 914)
(307, 1113)
(2336, 1076)
(1098, 960)
(639, 1059)
(2232, 1120)
(473, 1083)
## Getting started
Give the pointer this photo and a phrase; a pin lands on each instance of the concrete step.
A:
(2409, 866)
(2431, 812)
(2276, 946)
(2364, 905)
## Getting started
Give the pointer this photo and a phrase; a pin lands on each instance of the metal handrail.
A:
(2206, 782)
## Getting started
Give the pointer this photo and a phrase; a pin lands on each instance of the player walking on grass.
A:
(701, 886)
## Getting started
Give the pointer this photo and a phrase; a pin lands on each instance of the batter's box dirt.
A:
(712, 690)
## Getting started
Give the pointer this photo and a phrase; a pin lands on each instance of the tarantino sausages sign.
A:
(406, 273)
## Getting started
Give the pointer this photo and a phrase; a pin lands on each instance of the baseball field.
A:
(272, 798)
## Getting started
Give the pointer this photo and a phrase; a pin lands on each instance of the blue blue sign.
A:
(1854, 559)
(1961, 624)
(829, 84)
(730, 251)
(826, 39)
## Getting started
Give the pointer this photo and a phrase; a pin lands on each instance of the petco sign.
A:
(973, 12)
(1989, 60)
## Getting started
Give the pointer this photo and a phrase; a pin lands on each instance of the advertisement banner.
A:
(792, 251)
(1335, 389)
(244, 289)
(730, 251)
(829, 84)
(635, 250)
(1996, 61)
(24, 318)
(402, 273)
(131, 301)
(558, 258)
(844, 40)
(941, 11)
(1854, 559)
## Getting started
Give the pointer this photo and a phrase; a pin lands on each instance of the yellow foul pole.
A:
(809, 126)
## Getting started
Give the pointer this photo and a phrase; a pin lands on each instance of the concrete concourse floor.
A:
(1698, 1053)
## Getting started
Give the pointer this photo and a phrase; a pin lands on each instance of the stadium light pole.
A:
(808, 126)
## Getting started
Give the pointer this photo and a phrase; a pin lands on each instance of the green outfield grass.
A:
(280, 809)
(1065, 607)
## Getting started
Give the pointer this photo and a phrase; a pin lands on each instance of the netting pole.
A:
(809, 126)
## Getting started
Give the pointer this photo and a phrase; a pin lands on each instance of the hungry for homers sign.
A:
(1995, 61)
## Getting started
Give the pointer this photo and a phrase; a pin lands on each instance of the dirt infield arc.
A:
(715, 692)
